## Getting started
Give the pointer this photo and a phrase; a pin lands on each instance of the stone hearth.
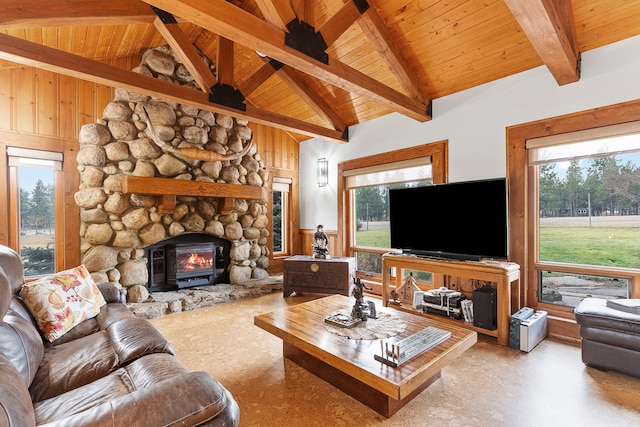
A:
(159, 304)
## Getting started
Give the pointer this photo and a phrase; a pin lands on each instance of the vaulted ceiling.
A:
(315, 67)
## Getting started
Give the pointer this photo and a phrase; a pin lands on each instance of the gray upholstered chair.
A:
(610, 337)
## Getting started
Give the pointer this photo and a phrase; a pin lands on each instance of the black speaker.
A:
(485, 307)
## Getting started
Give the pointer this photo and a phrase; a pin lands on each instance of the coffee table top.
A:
(303, 326)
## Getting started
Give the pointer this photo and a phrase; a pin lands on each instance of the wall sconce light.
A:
(322, 172)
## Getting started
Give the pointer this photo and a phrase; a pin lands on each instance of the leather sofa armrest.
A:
(112, 293)
(16, 408)
(189, 399)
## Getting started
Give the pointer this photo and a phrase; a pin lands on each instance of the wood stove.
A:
(180, 263)
(191, 264)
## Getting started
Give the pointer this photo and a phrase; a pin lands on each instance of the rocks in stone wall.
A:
(115, 227)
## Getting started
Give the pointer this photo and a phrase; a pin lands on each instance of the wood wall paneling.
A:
(6, 99)
(68, 119)
(47, 103)
(25, 100)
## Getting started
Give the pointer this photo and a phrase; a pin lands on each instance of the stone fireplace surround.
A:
(116, 227)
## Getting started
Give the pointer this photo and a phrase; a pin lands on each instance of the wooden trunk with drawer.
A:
(328, 276)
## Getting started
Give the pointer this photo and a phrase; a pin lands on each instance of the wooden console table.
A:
(505, 275)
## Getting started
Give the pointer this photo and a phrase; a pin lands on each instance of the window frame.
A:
(523, 195)
(438, 151)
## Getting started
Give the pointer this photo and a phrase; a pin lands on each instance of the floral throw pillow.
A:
(61, 301)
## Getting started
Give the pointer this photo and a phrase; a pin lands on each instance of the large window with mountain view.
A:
(588, 225)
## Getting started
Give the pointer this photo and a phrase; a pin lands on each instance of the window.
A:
(33, 178)
(279, 226)
(365, 184)
(370, 194)
(281, 202)
(587, 230)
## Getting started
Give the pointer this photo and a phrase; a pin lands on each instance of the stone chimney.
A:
(116, 226)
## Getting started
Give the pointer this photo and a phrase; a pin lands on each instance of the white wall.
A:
(474, 122)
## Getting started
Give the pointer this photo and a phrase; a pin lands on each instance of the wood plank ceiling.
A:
(315, 67)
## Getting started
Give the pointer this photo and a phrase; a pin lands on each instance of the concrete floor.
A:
(489, 385)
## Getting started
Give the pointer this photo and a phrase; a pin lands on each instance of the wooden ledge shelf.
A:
(167, 189)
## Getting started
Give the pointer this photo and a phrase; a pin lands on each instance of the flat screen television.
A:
(460, 220)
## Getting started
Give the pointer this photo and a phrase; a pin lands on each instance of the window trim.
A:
(523, 191)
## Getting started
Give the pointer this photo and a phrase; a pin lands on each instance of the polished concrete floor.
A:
(489, 385)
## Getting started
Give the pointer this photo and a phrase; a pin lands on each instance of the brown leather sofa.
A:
(610, 337)
(110, 370)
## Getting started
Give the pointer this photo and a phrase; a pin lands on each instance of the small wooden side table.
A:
(303, 273)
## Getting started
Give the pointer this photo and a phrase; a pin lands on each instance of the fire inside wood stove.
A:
(194, 261)
(191, 264)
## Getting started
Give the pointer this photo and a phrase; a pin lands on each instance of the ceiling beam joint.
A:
(304, 38)
(361, 5)
(277, 65)
(227, 95)
(166, 17)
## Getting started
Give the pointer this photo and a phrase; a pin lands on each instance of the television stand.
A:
(505, 276)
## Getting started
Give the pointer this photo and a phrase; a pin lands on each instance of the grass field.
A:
(373, 238)
(611, 247)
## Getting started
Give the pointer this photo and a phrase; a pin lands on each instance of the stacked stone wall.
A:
(116, 227)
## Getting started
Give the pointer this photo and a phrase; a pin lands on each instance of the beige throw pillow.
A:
(61, 301)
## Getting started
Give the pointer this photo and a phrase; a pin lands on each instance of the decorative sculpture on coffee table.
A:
(361, 311)
(321, 244)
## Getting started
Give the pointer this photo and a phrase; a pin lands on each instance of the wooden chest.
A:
(328, 276)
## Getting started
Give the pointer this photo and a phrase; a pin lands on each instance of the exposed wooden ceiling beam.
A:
(39, 56)
(224, 61)
(339, 22)
(550, 27)
(307, 11)
(378, 34)
(194, 63)
(254, 81)
(227, 20)
(311, 97)
(278, 12)
(60, 13)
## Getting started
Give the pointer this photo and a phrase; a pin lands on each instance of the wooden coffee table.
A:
(350, 364)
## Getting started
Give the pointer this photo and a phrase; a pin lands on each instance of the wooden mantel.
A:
(167, 189)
